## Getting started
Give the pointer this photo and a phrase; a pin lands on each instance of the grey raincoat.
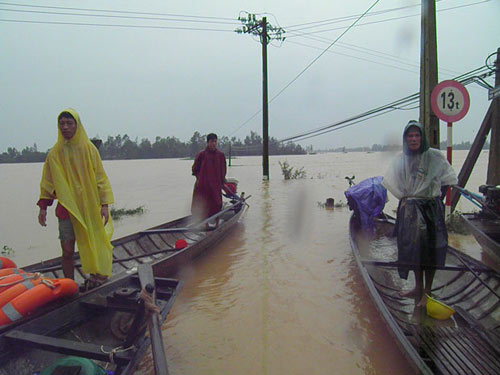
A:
(416, 178)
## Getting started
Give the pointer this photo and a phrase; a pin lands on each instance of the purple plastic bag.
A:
(367, 200)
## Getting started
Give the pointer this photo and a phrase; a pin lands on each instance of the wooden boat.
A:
(106, 325)
(468, 342)
(157, 245)
(486, 231)
(485, 224)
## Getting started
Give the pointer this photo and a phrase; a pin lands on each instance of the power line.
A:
(113, 16)
(465, 79)
(343, 18)
(307, 67)
(370, 52)
(322, 53)
(114, 11)
(113, 25)
(355, 57)
(389, 19)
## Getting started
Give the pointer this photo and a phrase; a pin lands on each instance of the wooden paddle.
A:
(146, 279)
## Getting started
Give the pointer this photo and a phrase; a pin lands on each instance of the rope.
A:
(32, 276)
(150, 307)
(118, 349)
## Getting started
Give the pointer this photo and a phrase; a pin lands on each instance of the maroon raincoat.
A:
(210, 170)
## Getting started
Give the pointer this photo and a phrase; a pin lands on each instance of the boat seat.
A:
(456, 350)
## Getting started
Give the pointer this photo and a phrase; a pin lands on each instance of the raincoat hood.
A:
(418, 174)
(424, 145)
(80, 136)
(73, 174)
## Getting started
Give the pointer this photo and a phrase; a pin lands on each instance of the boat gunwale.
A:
(396, 329)
(406, 348)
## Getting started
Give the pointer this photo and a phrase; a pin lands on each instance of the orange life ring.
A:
(7, 282)
(7, 263)
(10, 271)
(45, 292)
(18, 289)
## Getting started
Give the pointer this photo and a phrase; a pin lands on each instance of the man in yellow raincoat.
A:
(73, 174)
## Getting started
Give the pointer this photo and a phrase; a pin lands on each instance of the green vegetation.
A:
(291, 173)
(397, 147)
(6, 250)
(118, 148)
(118, 213)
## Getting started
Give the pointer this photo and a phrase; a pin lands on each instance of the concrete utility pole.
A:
(428, 71)
(493, 177)
(265, 105)
(266, 32)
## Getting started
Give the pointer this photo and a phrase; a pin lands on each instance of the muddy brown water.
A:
(280, 295)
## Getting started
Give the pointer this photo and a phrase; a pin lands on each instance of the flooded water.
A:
(281, 294)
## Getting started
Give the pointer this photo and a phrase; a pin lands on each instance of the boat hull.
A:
(463, 283)
(487, 234)
(90, 326)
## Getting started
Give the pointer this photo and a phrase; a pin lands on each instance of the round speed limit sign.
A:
(450, 101)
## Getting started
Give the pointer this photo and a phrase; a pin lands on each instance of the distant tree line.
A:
(395, 147)
(122, 147)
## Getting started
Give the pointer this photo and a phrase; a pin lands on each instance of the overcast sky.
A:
(156, 73)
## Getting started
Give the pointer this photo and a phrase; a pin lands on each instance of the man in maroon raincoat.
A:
(210, 170)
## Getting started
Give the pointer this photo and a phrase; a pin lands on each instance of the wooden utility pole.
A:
(493, 177)
(265, 113)
(266, 33)
(428, 71)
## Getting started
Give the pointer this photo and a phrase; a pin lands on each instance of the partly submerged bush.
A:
(291, 173)
(118, 213)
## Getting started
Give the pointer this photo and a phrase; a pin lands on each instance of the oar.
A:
(147, 282)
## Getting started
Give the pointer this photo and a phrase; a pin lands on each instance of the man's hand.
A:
(105, 213)
(42, 217)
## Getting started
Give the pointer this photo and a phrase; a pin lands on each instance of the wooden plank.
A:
(67, 347)
(473, 155)
(458, 350)
(423, 266)
(148, 283)
(469, 345)
(177, 230)
(447, 361)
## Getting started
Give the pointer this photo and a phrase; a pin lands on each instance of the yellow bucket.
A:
(438, 310)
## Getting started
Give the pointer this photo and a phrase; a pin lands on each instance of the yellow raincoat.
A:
(73, 173)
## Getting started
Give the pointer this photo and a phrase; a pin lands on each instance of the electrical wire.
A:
(114, 11)
(114, 16)
(307, 67)
(465, 79)
(388, 19)
(113, 25)
(322, 53)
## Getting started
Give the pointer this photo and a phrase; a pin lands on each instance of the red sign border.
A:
(437, 111)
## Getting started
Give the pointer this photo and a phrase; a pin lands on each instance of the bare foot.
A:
(411, 293)
(423, 301)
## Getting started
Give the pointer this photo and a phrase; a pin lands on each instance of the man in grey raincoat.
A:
(419, 178)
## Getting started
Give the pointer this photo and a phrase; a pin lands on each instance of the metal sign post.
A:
(450, 102)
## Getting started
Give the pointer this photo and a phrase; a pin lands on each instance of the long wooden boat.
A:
(105, 325)
(157, 245)
(468, 342)
(486, 231)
